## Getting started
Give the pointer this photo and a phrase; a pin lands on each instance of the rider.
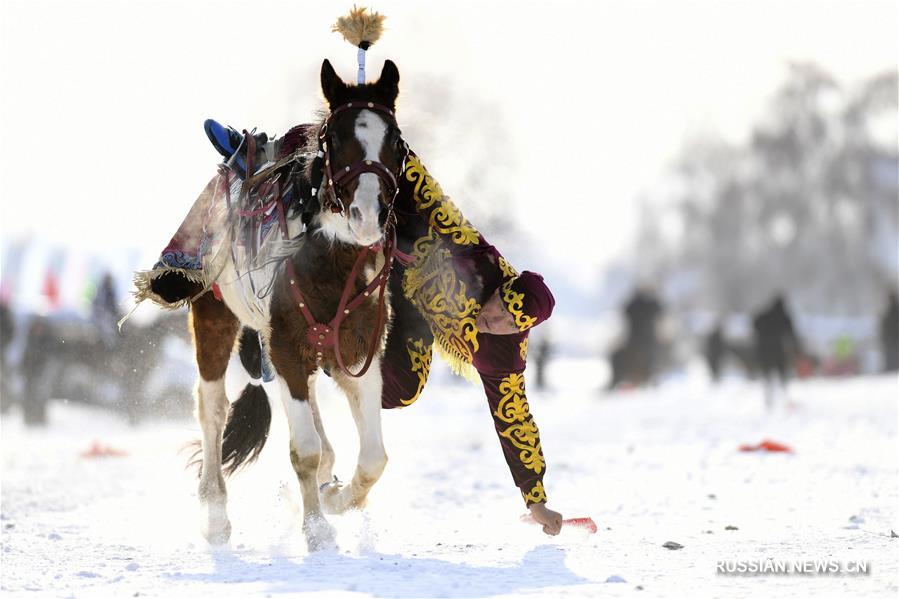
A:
(486, 330)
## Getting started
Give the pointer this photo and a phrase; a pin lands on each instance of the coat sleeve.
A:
(525, 296)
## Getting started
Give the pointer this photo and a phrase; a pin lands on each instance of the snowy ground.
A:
(649, 467)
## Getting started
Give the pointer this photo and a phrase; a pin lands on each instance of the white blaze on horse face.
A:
(366, 207)
(361, 226)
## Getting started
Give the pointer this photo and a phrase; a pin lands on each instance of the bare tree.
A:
(807, 206)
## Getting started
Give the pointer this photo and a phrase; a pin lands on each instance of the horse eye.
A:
(334, 141)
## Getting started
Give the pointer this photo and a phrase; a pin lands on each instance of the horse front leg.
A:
(364, 395)
(305, 451)
(214, 330)
(326, 465)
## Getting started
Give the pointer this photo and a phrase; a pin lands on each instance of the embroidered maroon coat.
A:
(437, 298)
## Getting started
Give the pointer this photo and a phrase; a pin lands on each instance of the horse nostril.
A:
(355, 213)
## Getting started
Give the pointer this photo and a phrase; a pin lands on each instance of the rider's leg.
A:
(407, 355)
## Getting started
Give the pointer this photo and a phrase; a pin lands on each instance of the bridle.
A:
(323, 336)
(322, 167)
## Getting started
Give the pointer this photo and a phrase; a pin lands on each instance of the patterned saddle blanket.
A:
(246, 224)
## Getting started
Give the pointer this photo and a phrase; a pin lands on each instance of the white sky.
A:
(103, 102)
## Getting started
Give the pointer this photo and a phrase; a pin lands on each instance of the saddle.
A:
(275, 189)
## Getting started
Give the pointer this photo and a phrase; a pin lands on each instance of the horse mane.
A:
(311, 147)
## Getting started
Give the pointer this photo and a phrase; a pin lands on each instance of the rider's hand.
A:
(551, 521)
(495, 319)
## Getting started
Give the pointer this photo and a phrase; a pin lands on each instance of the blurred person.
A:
(7, 331)
(542, 352)
(636, 361)
(777, 346)
(715, 349)
(105, 311)
(642, 312)
(889, 333)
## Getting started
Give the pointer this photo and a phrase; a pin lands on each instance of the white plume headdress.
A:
(362, 28)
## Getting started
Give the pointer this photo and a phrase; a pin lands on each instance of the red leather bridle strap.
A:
(366, 166)
(251, 151)
(360, 104)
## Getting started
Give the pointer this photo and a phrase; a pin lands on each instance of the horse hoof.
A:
(219, 534)
(320, 535)
(216, 527)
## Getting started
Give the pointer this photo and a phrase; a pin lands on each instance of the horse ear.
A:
(389, 81)
(332, 85)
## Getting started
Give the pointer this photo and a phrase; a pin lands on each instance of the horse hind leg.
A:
(364, 395)
(214, 330)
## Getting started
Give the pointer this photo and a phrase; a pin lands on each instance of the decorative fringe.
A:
(143, 290)
(360, 27)
(457, 363)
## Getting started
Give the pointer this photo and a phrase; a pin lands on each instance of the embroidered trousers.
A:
(500, 361)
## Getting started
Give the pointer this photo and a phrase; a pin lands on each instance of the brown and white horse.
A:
(326, 310)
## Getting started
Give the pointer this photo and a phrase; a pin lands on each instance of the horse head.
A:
(362, 153)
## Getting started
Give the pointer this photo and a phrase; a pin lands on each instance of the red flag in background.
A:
(50, 289)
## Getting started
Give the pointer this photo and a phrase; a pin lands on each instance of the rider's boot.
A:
(230, 144)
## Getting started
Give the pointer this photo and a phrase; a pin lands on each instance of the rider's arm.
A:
(524, 297)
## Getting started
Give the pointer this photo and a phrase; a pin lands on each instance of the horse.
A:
(338, 267)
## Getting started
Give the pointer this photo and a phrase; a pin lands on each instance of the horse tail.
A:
(250, 417)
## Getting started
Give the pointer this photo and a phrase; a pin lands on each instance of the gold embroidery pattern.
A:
(507, 269)
(432, 285)
(514, 302)
(444, 217)
(522, 433)
(523, 349)
(420, 358)
(536, 495)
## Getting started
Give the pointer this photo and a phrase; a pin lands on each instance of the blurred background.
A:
(709, 188)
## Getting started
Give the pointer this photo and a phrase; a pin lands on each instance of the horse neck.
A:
(325, 263)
